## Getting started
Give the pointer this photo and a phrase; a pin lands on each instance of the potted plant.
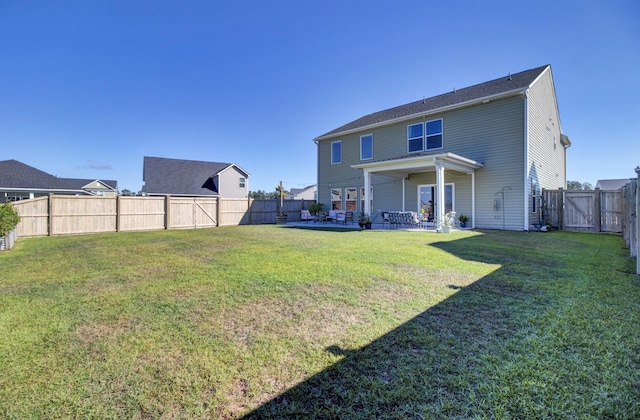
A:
(463, 220)
(447, 223)
(364, 221)
(315, 208)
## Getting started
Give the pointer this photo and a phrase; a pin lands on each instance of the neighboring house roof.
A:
(611, 184)
(512, 83)
(83, 183)
(16, 175)
(182, 177)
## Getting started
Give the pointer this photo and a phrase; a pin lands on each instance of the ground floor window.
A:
(351, 199)
(427, 204)
(363, 197)
(336, 199)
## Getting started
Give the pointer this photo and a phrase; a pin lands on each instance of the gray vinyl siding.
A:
(229, 184)
(546, 161)
(491, 133)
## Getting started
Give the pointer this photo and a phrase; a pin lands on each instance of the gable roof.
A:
(17, 175)
(513, 83)
(82, 183)
(182, 177)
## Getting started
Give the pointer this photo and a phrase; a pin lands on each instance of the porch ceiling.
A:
(401, 167)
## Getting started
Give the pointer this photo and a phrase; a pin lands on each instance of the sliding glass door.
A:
(427, 200)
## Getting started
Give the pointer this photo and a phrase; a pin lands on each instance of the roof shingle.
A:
(512, 82)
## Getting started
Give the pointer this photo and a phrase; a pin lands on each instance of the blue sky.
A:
(87, 89)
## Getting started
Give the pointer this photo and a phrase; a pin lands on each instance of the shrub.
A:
(9, 218)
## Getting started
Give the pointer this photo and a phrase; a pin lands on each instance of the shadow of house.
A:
(481, 352)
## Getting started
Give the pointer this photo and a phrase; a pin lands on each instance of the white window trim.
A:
(363, 196)
(346, 197)
(341, 190)
(361, 137)
(426, 136)
(413, 138)
(332, 143)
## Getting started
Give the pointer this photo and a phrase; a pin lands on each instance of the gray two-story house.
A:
(485, 151)
(193, 178)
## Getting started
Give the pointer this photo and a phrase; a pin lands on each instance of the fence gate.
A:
(611, 209)
(590, 211)
(579, 210)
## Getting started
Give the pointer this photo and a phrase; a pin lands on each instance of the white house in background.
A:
(612, 184)
(306, 193)
(485, 151)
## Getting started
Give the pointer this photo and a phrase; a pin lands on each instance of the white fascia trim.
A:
(107, 186)
(246, 174)
(450, 159)
(424, 114)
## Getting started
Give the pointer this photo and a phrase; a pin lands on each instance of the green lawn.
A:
(278, 321)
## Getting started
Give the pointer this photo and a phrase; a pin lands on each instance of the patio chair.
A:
(305, 216)
(413, 219)
(394, 219)
(341, 217)
(385, 219)
(348, 217)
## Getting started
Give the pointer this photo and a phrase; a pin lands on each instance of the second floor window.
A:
(427, 136)
(336, 152)
(366, 147)
(415, 137)
(434, 134)
(241, 183)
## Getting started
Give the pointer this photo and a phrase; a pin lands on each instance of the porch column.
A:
(367, 192)
(473, 199)
(403, 192)
(439, 194)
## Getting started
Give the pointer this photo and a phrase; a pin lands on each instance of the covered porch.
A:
(402, 167)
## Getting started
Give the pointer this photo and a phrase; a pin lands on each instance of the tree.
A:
(9, 218)
(127, 192)
(577, 185)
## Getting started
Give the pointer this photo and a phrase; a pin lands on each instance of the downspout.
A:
(526, 160)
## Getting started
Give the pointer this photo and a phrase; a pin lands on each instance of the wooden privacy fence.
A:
(590, 211)
(598, 211)
(71, 215)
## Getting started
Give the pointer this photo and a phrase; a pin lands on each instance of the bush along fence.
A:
(9, 219)
(71, 215)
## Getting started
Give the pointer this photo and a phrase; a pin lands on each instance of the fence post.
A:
(638, 221)
(118, 213)
(50, 205)
(167, 211)
(561, 209)
(597, 211)
(218, 212)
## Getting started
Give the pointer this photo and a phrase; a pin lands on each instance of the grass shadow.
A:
(514, 344)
